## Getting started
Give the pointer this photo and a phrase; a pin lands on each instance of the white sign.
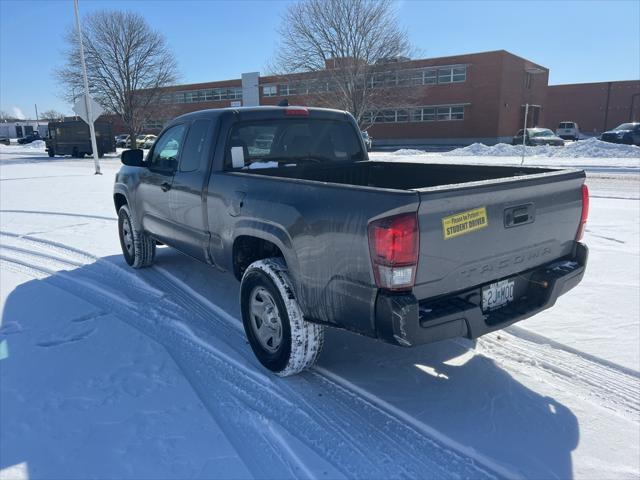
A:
(236, 103)
(237, 157)
(81, 109)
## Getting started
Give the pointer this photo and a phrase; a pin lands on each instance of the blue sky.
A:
(579, 41)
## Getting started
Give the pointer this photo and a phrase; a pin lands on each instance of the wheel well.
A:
(119, 200)
(247, 250)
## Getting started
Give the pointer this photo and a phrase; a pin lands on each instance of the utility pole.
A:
(87, 103)
(524, 132)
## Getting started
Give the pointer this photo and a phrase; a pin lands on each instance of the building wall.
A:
(479, 94)
(521, 82)
(596, 107)
(497, 86)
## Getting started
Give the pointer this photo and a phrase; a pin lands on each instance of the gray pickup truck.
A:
(287, 200)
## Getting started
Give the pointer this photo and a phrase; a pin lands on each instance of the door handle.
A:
(165, 186)
(520, 215)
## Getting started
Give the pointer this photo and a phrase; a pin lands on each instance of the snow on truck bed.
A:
(110, 372)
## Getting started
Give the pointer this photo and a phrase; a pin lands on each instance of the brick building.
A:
(453, 100)
(596, 107)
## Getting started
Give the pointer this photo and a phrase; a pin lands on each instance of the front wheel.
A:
(138, 248)
(280, 337)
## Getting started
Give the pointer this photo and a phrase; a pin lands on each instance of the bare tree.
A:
(348, 49)
(51, 115)
(128, 63)
(5, 117)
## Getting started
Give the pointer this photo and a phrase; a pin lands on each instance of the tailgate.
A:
(474, 233)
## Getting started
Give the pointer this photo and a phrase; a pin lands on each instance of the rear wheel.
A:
(138, 248)
(280, 337)
(51, 152)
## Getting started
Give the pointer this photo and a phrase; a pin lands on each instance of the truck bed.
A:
(530, 214)
(399, 176)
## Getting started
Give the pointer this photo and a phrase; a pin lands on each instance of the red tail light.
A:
(394, 243)
(585, 213)
(296, 112)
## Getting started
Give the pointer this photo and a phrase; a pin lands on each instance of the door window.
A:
(193, 154)
(166, 150)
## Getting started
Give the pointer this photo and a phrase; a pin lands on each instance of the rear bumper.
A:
(404, 320)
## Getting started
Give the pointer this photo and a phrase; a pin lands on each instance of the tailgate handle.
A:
(520, 215)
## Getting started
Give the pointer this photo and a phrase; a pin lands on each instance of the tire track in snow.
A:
(82, 257)
(61, 214)
(596, 382)
(348, 448)
(617, 394)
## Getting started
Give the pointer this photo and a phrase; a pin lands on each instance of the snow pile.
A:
(29, 148)
(35, 145)
(408, 151)
(591, 148)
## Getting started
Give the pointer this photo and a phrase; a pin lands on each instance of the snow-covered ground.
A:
(592, 154)
(113, 373)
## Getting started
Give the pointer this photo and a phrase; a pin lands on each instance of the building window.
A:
(452, 74)
(235, 93)
(430, 76)
(457, 113)
(445, 75)
(285, 89)
(442, 113)
(270, 90)
(429, 114)
(459, 74)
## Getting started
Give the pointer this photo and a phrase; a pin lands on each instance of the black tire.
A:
(138, 248)
(51, 152)
(300, 341)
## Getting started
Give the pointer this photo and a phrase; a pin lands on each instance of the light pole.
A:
(87, 103)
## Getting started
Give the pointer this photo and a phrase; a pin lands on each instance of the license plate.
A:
(497, 295)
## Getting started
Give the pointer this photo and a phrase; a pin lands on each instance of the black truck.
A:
(319, 235)
(72, 137)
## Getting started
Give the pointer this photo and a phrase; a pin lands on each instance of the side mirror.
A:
(133, 158)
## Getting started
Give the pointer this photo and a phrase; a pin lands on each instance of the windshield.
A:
(541, 133)
(294, 141)
(624, 126)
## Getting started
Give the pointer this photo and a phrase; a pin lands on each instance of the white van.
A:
(568, 131)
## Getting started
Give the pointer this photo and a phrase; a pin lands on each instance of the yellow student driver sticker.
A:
(464, 222)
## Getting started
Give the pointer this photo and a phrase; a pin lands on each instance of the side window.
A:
(167, 149)
(195, 146)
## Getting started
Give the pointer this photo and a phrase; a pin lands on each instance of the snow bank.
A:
(408, 151)
(29, 148)
(591, 148)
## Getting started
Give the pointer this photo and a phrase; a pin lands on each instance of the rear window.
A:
(295, 141)
(567, 125)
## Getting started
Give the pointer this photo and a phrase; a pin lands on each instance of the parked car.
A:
(318, 235)
(628, 133)
(5, 140)
(538, 136)
(73, 138)
(148, 141)
(139, 140)
(32, 137)
(368, 141)
(121, 140)
(568, 131)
